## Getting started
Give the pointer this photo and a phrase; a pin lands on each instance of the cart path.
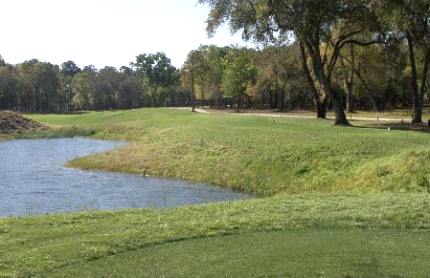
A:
(297, 116)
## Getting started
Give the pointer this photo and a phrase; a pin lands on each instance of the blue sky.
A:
(104, 32)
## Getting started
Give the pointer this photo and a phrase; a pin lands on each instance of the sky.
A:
(104, 32)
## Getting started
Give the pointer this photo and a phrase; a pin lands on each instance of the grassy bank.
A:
(257, 154)
(344, 202)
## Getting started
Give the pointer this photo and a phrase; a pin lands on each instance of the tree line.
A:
(342, 55)
(36, 86)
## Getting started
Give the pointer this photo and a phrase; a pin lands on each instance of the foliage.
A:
(158, 73)
(239, 74)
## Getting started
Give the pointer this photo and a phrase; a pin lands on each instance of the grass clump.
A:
(57, 133)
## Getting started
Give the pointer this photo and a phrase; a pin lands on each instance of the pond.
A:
(34, 180)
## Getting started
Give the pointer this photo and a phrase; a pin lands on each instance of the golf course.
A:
(329, 201)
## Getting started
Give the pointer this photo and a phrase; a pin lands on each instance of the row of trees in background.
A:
(215, 76)
(319, 54)
(35, 86)
(271, 78)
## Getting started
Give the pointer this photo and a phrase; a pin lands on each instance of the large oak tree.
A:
(411, 18)
(337, 23)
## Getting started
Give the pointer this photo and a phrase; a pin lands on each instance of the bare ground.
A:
(14, 123)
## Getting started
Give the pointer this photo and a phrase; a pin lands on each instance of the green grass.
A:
(298, 253)
(256, 155)
(340, 201)
(47, 244)
(56, 133)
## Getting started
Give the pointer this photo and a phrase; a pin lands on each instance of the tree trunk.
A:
(349, 108)
(193, 101)
(321, 105)
(423, 88)
(203, 97)
(348, 78)
(281, 101)
(193, 96)
(340, 116)
(416, 100)
(320, 101)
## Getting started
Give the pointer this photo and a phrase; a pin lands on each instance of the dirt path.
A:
(298, 116)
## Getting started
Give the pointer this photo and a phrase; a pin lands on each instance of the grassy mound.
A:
(12, 123)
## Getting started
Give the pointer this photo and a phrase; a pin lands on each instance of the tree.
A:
(157, 73)
(203, 71)
(68, 70)
(8, 87)
(277, 69)
(90, 69)
(312, 22)
(131, 93)
(188, 75)
(107, 89)
(348, 75)
(199, 68)
(215, 57)
(85, 90)
(239, 73)
(38, 87)
(320, 99)
(412, 19)
(48, 88)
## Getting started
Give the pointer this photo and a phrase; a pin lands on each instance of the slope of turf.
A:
(298, 253)
(45, 244)
(257, 154)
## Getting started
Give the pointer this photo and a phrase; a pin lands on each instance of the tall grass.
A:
(57, 133)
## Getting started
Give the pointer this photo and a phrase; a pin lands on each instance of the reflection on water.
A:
(33, 180)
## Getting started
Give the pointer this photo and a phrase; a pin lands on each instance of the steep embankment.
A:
(13, 123)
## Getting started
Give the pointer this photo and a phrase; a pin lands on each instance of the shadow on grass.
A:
(56, 133)
(396, 126)
(61, 113)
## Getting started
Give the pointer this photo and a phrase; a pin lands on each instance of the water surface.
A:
(34, 180)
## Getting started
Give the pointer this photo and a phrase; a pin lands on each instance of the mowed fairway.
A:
(301, 253)
(338, 201)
